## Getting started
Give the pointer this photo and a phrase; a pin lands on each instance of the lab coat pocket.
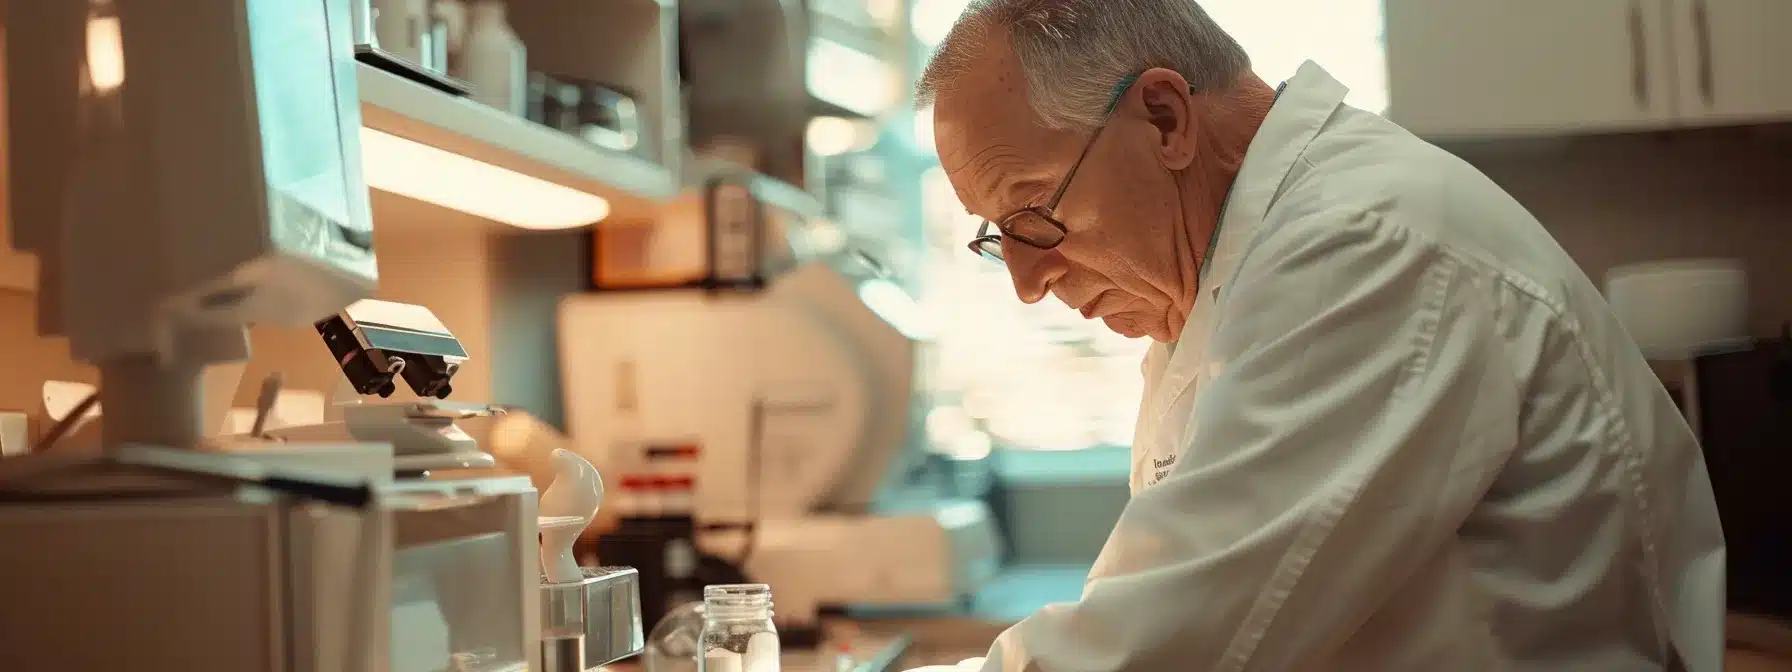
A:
(1172, 439)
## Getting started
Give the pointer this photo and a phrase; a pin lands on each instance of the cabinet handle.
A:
(1701, 21)
(1639, 56)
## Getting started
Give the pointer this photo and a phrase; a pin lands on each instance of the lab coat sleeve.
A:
(1353, 414)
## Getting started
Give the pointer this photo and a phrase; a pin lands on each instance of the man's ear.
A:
(1167, 103)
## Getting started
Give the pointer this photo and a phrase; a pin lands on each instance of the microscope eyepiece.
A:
(375, 343)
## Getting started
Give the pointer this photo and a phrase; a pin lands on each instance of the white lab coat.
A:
(1401, 432)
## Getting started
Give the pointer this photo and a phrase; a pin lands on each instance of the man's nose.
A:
(1032, 269)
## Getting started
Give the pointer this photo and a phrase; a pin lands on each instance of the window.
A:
(1031, 377)
(1343, 36)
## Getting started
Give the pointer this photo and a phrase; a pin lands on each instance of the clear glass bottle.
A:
(738, 635)
(674, 644)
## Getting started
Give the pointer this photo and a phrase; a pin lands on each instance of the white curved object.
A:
(834, 380)
(1672, 308)
(566, 510)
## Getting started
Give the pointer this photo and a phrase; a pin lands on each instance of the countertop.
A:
(1758, 644)
(894, 645)
(885, 645)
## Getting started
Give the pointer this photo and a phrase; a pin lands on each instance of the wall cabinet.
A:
(1476, 68)
(1735, 60)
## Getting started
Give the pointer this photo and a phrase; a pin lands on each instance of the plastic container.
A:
(494, 58)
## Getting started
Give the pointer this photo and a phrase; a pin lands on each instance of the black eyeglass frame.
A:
(989, 245)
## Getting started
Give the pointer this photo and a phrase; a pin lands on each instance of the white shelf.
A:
(634, 186)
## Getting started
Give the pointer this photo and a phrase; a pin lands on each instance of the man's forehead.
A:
(988, 93)
(984, 129)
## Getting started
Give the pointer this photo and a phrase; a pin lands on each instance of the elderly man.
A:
(1388, 424)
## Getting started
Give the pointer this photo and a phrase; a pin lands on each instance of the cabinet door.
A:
(1735, 59)
(1483, 68)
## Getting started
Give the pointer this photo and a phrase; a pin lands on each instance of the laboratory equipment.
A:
(492, 57)
(716, 241)
(179, 175)
(376, 343)
(154, 254)
(730, 630)
(567, 508)
(801, 401)
(589, 616)
(408, 38)
(738, 634)
(591, 622)
(597, 113)
(675, 642)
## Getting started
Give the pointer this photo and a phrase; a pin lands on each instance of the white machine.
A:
(799, 403)
(181, 174)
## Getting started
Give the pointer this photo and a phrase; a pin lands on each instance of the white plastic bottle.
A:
(399, 27)
(493, 59)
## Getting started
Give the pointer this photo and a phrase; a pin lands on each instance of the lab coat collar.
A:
(1307, 100)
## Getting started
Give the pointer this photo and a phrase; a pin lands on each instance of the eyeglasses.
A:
(1035, 226)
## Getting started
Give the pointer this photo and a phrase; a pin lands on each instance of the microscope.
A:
(377, 344)
(180, 175)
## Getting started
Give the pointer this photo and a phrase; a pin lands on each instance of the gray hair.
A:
(1074, 52)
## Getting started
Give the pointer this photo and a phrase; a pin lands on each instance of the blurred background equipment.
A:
(707, 246)
(194, 174)
(795, 412)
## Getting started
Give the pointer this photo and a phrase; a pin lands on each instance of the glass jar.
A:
(738, 635)
(674, 644)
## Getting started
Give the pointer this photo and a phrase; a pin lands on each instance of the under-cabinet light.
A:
(419, 171)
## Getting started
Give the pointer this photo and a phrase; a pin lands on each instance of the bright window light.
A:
(850, 78)
(833, 136)
(825, 237)
(932, 19)
(415, 170)
(1343, 36)
(105, 53)
(924, 130)
(896, 307)
(884, 12)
